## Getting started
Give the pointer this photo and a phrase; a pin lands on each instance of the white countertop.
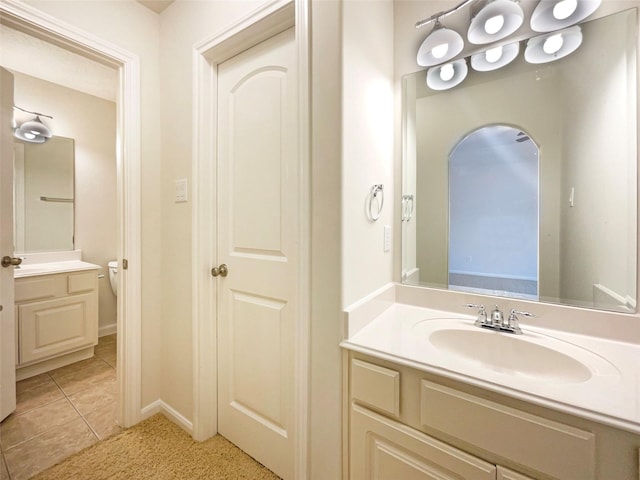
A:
(49, 268)
(611, 396)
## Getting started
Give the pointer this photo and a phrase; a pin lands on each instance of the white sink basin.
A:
(535, 356)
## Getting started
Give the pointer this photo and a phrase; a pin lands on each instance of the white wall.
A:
(367, 143)
(91, 122)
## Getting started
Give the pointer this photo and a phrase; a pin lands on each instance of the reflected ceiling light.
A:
(448, 75)
(496, 20)
(34, 131)
(550, 47)
(441, 45)
(552, 15)
(495, 58)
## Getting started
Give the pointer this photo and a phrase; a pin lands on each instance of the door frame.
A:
(271, 18)
(32, 21)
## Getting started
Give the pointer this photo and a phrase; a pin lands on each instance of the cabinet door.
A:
(381, 449)
(57, 326)
(506, 474)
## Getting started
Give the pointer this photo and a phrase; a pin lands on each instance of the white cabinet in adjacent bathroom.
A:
(57, 320)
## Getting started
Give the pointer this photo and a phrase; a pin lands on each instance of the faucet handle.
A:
(482, 314)
(513, 323)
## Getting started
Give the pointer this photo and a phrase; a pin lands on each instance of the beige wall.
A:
(91, 122)
(183, 24)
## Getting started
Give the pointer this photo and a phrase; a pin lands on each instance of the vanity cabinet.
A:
(411, 425)
(56, 319)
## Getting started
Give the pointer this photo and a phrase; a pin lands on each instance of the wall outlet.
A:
(181, 190)
(387, 238)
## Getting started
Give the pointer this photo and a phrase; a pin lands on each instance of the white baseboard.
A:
(160, 407)
(104, 330)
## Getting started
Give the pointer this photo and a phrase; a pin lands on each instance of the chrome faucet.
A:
(498, 321)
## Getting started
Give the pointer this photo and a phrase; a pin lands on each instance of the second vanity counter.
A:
(49, 268)
(606, 391)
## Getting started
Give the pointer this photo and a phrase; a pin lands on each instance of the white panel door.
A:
(7, 319)
(258, 239)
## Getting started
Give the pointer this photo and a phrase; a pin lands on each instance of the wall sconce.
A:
(553, 46)
(496, 20)
(441, 45)
(33, 131)
(495, 57)
(448, 75)
(552, 15)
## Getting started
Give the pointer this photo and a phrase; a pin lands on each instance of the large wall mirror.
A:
(522, 182)
(44, 196)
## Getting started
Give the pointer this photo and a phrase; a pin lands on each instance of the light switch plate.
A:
(181, 190)
(387, 238)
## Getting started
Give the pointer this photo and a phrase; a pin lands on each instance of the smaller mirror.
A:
(44, 196)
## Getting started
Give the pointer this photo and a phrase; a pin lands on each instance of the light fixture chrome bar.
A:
(56, 199)
(32, 113)
(444, 13)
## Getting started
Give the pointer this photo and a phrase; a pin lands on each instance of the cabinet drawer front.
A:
(56, 326)
(506, 474)
(382, 449)
(29, 289)
(549, 447)
(375, 386)
(81, 282)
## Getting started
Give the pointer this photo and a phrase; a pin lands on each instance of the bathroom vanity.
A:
(56, 315)
(430, 395)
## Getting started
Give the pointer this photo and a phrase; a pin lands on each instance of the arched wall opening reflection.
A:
(494, 213)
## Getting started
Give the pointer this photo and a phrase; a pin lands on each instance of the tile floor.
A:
(59, 413)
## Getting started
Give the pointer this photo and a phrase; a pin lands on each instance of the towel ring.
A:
(376, 191)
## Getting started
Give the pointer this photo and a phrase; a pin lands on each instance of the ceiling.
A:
(156, 5)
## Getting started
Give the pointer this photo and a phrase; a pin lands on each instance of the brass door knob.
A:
(8, 261)
(221, 271)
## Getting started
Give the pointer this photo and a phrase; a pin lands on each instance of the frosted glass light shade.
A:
(549, 14)
(33, 131)
(36, 127)
(482, 62)
(28, 137)
(480, 31)
(435, 40)
(435, 75)
(535, 51)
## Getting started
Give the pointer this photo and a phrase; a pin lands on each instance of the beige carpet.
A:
(160, 450)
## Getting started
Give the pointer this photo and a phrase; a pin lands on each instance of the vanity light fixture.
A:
(496, 20)
(550, 15)
(448, 75)
(441, 45)
(33, 131)
(553, 46)
(495, 57)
